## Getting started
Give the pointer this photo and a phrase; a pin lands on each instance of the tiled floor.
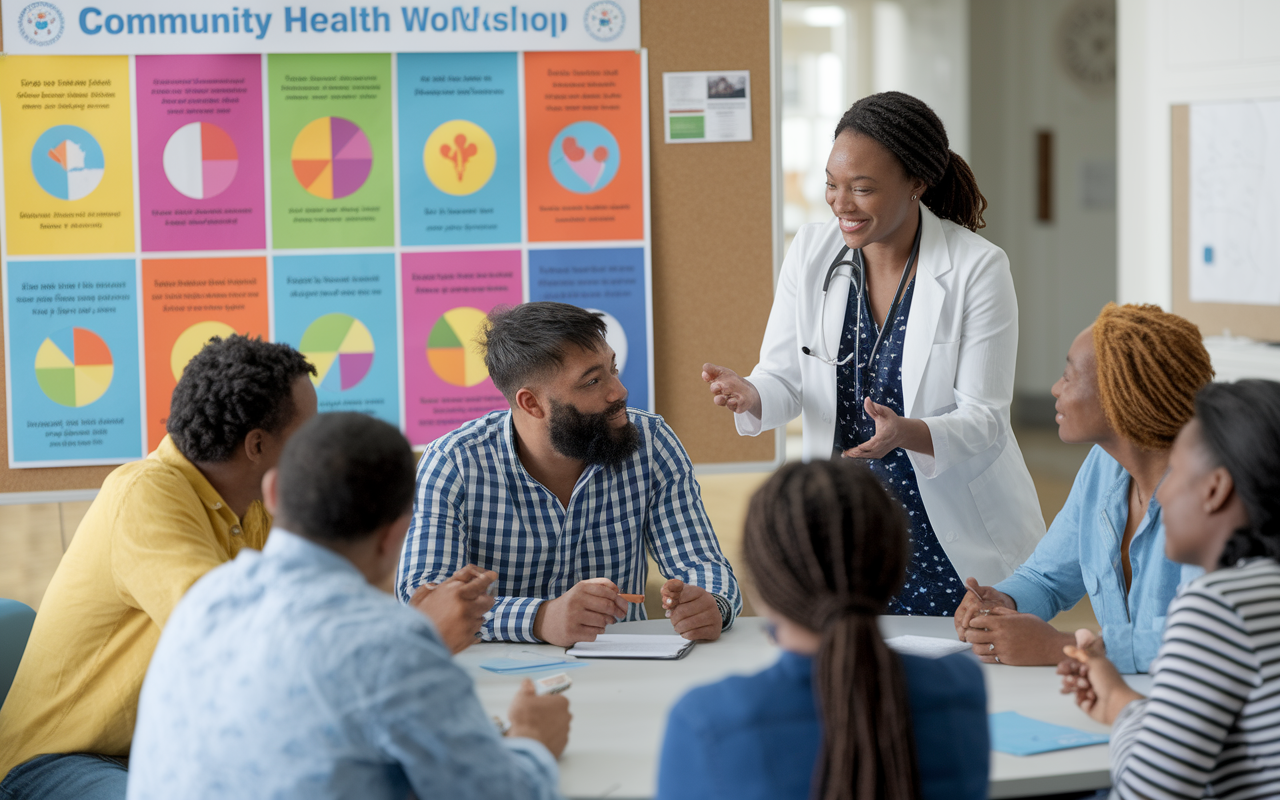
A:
(33, 537)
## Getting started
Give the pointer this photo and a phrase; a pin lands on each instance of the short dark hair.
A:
(1240, 426)
(522, 343)
(228, 389)
(343, 476)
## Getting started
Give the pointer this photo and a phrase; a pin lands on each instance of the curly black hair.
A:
(228, 389)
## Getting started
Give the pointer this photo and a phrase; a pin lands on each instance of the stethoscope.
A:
(860, 285)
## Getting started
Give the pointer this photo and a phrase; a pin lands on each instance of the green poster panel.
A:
(331, 159)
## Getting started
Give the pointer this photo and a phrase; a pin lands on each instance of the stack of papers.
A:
(927, 646)
(632, 645)
(1017, 735)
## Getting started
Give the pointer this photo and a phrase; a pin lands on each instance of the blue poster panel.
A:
(459, 148)
(609, 280)
(340, 312)
(75, 397)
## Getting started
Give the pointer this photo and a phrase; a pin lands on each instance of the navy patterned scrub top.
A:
(932, 588)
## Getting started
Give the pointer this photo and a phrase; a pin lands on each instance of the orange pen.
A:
(632, 598)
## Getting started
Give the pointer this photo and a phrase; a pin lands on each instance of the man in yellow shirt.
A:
(156, 527)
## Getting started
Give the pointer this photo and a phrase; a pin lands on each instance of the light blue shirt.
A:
(285, 674)
(1081, 554)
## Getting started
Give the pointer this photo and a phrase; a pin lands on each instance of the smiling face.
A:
(1201, 509)
(587, 405)
(868, 190)
(1080, 417)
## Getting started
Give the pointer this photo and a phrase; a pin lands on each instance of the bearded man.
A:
(562, 494)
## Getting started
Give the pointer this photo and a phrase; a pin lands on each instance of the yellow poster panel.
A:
(68, 166)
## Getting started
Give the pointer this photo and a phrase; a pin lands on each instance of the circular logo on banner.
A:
(40, 24)
(605, 20)
(459, 157)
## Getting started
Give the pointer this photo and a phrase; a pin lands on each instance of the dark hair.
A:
(909, 129)
(826, 547)
(522, 343)
(343, 476)
(1240, 426)
(231, 387)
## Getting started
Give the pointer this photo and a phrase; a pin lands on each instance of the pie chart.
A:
(200, 160)
(192, 341)
(341, 347)
(332, 157)
(451, 348)
(74, 367)
(67, 162)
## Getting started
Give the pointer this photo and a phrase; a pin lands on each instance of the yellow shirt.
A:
(156, 527)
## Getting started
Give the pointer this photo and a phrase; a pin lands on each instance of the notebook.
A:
(632, 645)
(927, 646)
(1017, 735)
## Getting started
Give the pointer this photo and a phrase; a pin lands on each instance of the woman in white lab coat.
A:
(925, 398)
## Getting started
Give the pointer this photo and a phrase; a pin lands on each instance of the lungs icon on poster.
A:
(459, 157)
(584, 157)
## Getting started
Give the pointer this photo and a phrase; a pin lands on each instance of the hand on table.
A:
(693, 611)
(1004, 636)
(971, 606)
(457, 606)
(580, 614)
(730, 390)
(545, 719)
(1100, 691)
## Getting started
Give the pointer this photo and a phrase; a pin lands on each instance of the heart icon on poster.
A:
(584, 157)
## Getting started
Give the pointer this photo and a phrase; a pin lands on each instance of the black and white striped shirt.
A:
(1211, 727)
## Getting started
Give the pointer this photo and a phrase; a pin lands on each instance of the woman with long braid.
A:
(894, 330)
(840, 716)
(1128, 388)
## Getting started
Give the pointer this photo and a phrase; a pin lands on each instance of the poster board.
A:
(1261, 322)
(712, 241)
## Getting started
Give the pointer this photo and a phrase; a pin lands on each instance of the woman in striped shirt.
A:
(1211, 727)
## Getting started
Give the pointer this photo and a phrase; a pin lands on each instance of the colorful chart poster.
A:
(446, 297)
(331, 154)
(185, 302)
(584, 146)
(68, 163)
(340, 312)
(611, 281)
(74, 395)
(459, 148)
(200, 173)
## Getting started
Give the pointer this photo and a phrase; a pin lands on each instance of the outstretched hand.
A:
(732, 391)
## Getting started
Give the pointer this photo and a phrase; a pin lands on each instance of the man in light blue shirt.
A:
(287, 674)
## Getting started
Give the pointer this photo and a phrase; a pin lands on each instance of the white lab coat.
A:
(957, 376)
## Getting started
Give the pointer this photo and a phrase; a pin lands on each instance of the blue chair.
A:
(16, 620)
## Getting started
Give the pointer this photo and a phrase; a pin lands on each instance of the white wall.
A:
(1173, 52)
(1064, 270)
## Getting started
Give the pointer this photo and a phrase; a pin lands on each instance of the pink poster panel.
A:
(446, 298)
(200, 152)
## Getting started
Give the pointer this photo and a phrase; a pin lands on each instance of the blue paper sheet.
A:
(1017, 735)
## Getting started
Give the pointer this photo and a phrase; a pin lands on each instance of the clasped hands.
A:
(581, 614)
(458, 605)
(1000, 634)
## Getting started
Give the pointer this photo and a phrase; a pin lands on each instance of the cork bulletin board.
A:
(1261, 322)
(713, 229)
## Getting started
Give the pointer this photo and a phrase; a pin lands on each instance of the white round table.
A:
(620, 709)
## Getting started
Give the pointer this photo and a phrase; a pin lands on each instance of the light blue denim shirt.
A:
(284, 674)
(1081, 554)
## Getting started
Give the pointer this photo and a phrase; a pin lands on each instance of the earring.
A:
(913, 197)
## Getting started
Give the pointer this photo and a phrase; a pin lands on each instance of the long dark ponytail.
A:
(1240, 425)
(909, 129)
(827, 547)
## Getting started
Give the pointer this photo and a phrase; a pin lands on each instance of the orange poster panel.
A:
(185, 301)
(584, 146)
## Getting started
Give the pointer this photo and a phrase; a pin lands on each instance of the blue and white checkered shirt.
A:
(477, 504)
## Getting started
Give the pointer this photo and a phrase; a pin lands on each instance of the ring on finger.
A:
(991, 646)
(997, 659)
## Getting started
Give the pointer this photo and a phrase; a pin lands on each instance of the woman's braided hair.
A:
(909, 129)
(1150, 366)
(827, 547)
(1240, 426)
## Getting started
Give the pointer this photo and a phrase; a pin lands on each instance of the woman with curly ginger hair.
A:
(1128, 388)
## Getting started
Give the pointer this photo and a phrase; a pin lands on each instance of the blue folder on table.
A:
(1017, 735)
